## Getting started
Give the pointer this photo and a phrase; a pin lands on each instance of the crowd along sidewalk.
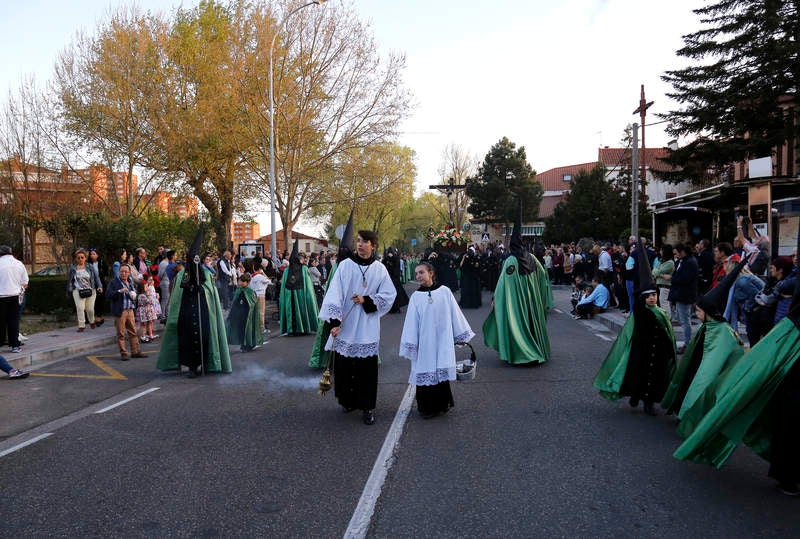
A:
(49, 346)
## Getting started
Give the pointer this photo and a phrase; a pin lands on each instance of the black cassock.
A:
(470, 281)
(648, 373)
(193, 325)
(392, 262)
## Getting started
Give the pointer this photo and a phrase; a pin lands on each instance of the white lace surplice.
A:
(361, 332)
(430, 332)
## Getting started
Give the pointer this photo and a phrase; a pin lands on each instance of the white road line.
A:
(609, 339)
(25, 444)
(359, 523)
(129, 399)
(559, 311)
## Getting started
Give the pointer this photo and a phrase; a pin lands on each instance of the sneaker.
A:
(138, 355)
(144, 340)
(16, 349)
(153, 337)
(18, 373)
(22, 337)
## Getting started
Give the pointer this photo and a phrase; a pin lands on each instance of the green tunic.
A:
(721, 348)
(219, 359)
(734, 409)
(299, 308)
(243, 326)
(611, 375)
(319, 356)
(517, 325)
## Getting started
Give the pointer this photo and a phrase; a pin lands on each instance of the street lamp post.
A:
(273, 249)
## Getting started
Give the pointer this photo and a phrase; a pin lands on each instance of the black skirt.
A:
(355, 381)
(434, 399)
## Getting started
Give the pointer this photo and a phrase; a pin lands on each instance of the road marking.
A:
(359, 523)
(609, 339)
(129, 399)
(113, 374)
(559, 311)
(25, 444)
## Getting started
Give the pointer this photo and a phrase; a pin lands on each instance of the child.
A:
(242, 325)
(150, 289)
(145, 313)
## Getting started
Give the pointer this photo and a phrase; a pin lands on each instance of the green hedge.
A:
(48, 294)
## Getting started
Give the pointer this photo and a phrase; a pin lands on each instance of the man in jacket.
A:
(121, 295)
(13, 281)
(683, 292)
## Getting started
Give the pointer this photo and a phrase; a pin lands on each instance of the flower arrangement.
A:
(452, 239)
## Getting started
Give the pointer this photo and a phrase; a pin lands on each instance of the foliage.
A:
(451, 238)
(594, 207)
(503, 178)
(48, 294)
(737, 96)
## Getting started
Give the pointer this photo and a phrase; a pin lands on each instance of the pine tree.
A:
(738, 99)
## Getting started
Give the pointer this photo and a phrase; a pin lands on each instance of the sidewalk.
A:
(50, 346)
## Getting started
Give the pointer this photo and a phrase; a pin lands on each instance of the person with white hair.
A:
(13, 282)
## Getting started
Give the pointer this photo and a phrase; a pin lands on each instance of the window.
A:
(567, 177)
(308, 247)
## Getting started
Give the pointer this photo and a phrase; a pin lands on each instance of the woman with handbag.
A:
(82, 283)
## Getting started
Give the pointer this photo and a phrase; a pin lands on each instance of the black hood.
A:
(715, 300)
(293, 280)
(195, 259)
(647, 285)
(347, 246)
(517, 248)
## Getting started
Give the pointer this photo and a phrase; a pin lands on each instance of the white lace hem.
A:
(381, 303)
(409, 350)
(330, 312)
(355, 349)
(433, 378)
(464, 337)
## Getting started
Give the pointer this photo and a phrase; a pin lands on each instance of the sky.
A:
(559, 78)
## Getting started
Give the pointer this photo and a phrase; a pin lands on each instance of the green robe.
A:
(247, 330)
(517, 325)
(734, 409)
(299, 308)
(319, 356)
(721, 348)
(611, 375)
(219, 358)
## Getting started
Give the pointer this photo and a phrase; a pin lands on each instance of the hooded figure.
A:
(517, 325)
(298, 303)
(714, 348)
(347, 246)
(755, 401)
(391, 259)
(470, 280)
(642, 359)
(195, 332)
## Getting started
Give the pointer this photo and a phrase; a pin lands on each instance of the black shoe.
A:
(99, 322)
(368, 417)
(649, 410)
(124, 357)
(428, 415)
(633, 402)
(347, 409)
(192, 373)
(790, 489)
(138, 355)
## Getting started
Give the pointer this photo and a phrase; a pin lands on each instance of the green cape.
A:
(517, 325)
(612, 372)
(299, 308)
(219, 358)
(734, 408)
(721, 348)
(250, 334)
(319, 356)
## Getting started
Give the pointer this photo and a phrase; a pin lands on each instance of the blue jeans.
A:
(629, 289)
(685, 318)
(5, 366)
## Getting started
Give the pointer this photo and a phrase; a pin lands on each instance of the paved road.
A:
(527, 452)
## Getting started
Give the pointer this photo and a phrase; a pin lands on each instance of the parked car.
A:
(58, 269)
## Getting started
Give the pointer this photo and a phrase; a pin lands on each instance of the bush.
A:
(48, 294)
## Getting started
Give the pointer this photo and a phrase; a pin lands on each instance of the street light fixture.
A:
(273, 248)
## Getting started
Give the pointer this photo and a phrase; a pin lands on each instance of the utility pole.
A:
(635, 183)
(642, 112)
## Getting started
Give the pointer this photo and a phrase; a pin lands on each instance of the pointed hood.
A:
(794, 306)
(347, 246)
(195, 257)
(517, 248)
(647, 285)
(294, 273)
(715, 300)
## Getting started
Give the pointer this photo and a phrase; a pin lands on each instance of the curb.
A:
(58, 352)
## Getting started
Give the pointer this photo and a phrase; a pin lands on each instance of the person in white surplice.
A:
(434, 325)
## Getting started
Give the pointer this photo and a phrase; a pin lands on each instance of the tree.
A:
(594, 207)
(740, 103)
(503, 178)
(457, 165)
(334, 95)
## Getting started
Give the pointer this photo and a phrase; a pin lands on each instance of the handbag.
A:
(85, 292)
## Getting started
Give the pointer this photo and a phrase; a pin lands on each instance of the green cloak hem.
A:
(299, 308)
(319, 356)
(734, 408)
(517, 325)
(612, 372)
(251, 335)
(721, 348)
(219, 358)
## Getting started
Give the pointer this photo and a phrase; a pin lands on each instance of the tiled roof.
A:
(553, 179)
(614, 157)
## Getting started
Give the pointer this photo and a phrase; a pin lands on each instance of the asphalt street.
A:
(526, 452)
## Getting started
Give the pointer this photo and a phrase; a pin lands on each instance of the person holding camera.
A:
(121, 296)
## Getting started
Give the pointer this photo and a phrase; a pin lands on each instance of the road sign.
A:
(413, 242)
(485, 236)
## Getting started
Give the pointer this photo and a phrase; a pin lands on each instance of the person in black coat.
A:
(705, 263)
(470, 280)
(391, 259)
(683, 291)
